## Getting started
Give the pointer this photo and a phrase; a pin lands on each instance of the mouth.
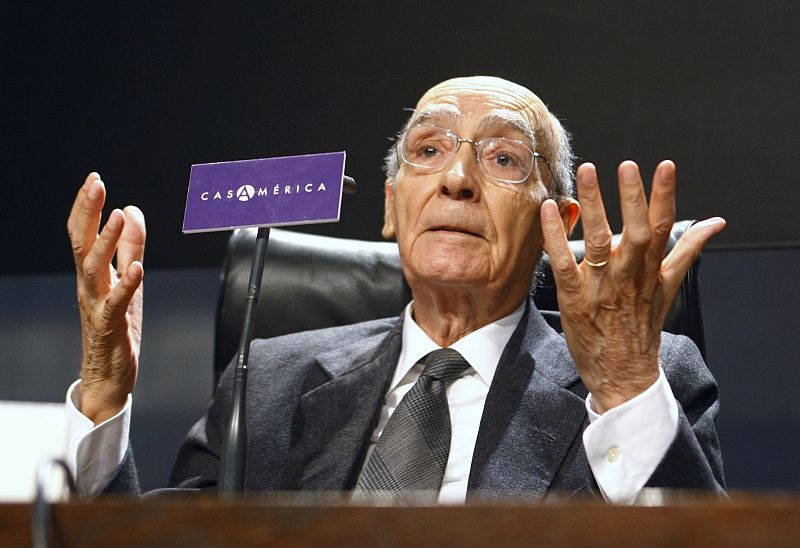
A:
(444, 229)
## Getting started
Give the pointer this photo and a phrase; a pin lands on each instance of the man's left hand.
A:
(614, 303)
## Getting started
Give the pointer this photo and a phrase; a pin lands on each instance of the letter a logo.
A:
(245, 192)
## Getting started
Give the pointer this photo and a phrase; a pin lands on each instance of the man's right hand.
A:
(110, 299)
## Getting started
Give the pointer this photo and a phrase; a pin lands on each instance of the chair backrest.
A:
(312, 282)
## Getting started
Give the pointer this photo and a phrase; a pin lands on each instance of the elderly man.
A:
(479, 183)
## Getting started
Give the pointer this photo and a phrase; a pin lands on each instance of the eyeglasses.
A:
(430, 149)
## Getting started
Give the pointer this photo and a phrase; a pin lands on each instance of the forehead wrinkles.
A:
(443, 112)
(494, 104)
(511, 118)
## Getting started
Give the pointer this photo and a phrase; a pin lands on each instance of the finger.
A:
(596, 232)
(84, 218)
(95, 272)
(132, 240)
(116, 305)
(79, 199)
(636, 223)
(685, 253)
(662, 207)
(562, 260)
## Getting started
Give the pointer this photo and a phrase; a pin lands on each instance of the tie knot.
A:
(445, 365)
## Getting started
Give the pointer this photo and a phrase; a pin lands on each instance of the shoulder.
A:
(321, 341)
(690, 379)
(318, 354)
(680, 357)
(282, 367)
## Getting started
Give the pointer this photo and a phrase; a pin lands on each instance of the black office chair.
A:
(318, 281)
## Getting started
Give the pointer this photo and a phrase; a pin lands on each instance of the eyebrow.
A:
(514, 119)
(445, 113)
(498, 117)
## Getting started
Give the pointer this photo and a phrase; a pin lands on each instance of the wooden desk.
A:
(748, 520)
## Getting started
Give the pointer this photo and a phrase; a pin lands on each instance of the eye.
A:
(429, 151)
(505, 154)
(504, 159)
(423, 151)
(427, 145)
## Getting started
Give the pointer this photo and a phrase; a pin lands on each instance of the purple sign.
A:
(290, 190)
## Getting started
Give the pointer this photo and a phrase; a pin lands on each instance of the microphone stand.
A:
(233, 466)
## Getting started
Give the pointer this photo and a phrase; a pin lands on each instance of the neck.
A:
(447, 316)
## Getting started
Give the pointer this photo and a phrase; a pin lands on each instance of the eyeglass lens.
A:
(431, 148)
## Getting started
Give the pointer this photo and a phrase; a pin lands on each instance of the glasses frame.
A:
(476, 145)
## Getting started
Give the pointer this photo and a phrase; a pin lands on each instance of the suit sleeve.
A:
(693, 460)
(197, 464)
(198, 458)
(274, 383)
(125, 480)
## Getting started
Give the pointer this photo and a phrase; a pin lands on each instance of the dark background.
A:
(139, 92)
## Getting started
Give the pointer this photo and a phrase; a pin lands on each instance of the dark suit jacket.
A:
(314, 399)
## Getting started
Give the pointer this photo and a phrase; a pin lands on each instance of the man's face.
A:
(457, 227)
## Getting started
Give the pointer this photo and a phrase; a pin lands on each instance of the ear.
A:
(570, 211)
(388, 231)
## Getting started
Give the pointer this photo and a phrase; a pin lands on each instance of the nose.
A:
(460, 180)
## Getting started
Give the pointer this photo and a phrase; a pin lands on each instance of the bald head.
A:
(517, 96)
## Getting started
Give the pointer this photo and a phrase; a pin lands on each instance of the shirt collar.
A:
(482, 348)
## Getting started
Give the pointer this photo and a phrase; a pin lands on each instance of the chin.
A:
(448, 261)
(449, 272)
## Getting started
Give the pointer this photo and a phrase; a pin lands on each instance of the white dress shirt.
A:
(623, 445)
(95, 452)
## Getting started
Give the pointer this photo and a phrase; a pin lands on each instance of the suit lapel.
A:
(530, 420)
(338, 416)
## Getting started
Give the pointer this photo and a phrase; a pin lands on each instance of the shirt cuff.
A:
(625, 444)
(95, 452)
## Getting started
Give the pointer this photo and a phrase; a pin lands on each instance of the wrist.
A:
(611, 396)
(99, 407)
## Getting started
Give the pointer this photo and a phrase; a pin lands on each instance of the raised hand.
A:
(110, 299)
(614, 303)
